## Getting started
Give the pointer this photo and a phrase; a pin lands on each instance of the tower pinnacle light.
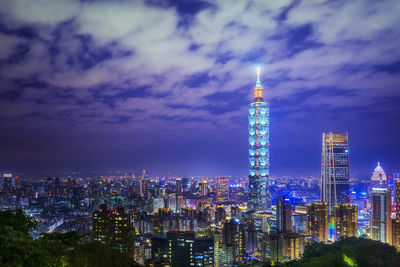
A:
(258, 89)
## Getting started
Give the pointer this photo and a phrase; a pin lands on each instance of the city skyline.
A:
(155, 86)
(174, 133)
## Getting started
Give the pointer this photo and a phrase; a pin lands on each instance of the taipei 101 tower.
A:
(259, 197)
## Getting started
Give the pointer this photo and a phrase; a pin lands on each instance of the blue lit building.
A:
(259, 197)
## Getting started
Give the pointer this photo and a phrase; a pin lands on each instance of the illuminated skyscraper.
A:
(144, 187)
(222, 190)
(259, 197)
(381, 221)
(345, 220)
(317, 221)
(396, 222)
(335, 170)
(283, 215)
(203, 188)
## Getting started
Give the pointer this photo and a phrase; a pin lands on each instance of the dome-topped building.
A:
(379, 178)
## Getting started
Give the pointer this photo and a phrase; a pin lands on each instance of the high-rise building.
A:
(180, 248)
(317, 221)
(396, 222)
(156, 204)
(71, 185)
(57, 188)
(235, 212)
(204, 252)
(50, 186)
(113, 227)
(283, 215)
(222, 190)
(223, 253)
(172, 202)
(185, 182)
(7, 178)
(120, 230)
(335, 170)
(259, 197)
(272, 247)
(292, 246)
(381, 221)
(144, 187)
(232, 236)
(278, 247)
(397, 200)
(242, 236)
(220, 216)
(203, 188)
(345, 220)
(179, 185)
(248, 234)
(100, 223)
(159, 250)
(379, 178)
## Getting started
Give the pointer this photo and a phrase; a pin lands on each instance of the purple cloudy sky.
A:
(164, 85)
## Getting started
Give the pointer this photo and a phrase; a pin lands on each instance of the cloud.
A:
(154, 66)
(40, 12)
(158, 51)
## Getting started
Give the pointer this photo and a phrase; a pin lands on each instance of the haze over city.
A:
(165, 85)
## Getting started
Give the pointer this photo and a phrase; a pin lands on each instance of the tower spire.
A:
(258, 90)
(258, 77)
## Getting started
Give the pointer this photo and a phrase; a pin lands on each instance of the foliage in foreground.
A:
(18, 248)
(349, 252)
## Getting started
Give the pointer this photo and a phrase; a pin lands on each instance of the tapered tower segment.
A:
(259, 197)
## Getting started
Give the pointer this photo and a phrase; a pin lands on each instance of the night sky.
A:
(164, 85)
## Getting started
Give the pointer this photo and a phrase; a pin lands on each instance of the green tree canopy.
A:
(18, 220)
(18, 248)
(349, 252)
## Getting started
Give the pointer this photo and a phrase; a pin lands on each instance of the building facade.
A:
(222, 190)
(279, 247)
(203, 188)
(180, 248)
(381, 221)
(204, 252)
(335, 170)
(283, 215)
(259, 197)
(317, 221)
(396, 221)
(223, 253)
(113, 227)
(345, 220)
